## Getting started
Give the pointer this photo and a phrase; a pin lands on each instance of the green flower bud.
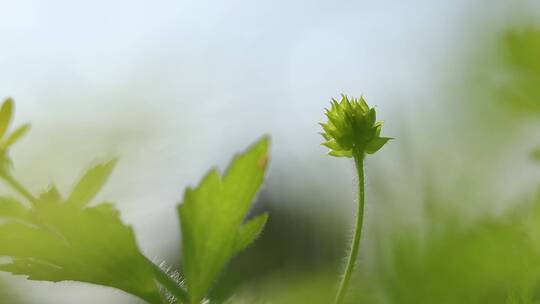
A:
(352, 128)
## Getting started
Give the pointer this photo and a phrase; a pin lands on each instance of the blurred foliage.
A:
(520, 84)
(535, 154)
(503, 79)
(489, 260)
(9, 295)
(450, 260)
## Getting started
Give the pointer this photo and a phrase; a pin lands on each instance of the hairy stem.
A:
(11, 181)
(168, 283)
(355, 245)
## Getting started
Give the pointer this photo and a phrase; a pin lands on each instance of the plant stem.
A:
(10, 180)
(355, 245)
(168, 283)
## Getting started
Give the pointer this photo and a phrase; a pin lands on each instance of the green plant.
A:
(352, 131)
(52, 237)
(211, 218)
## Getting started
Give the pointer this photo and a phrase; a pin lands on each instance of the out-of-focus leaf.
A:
(16, 135)
(6, 112)
(535, 154)
(211, 218)
(51, 194)
(57, 240)
(90, 183)
(489, 260)
(11, 208)
(521, 47)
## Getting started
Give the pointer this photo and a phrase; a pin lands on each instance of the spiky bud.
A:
(352, 128)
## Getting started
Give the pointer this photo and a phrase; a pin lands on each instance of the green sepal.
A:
(331, 144)
(376, 143)
(340, 153)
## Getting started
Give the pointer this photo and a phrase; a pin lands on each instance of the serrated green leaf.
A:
(211, 217)
(90, 183)
(59, 241)
(6, 112)
(16, 135)
(249, 232)
(376, 143)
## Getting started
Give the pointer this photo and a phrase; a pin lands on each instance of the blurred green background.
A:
(177, 87)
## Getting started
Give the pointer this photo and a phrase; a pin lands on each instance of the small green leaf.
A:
(211, 218)
(250, 231)
(375, 144)
(16, 135)
(90, 183)
(6, 112)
